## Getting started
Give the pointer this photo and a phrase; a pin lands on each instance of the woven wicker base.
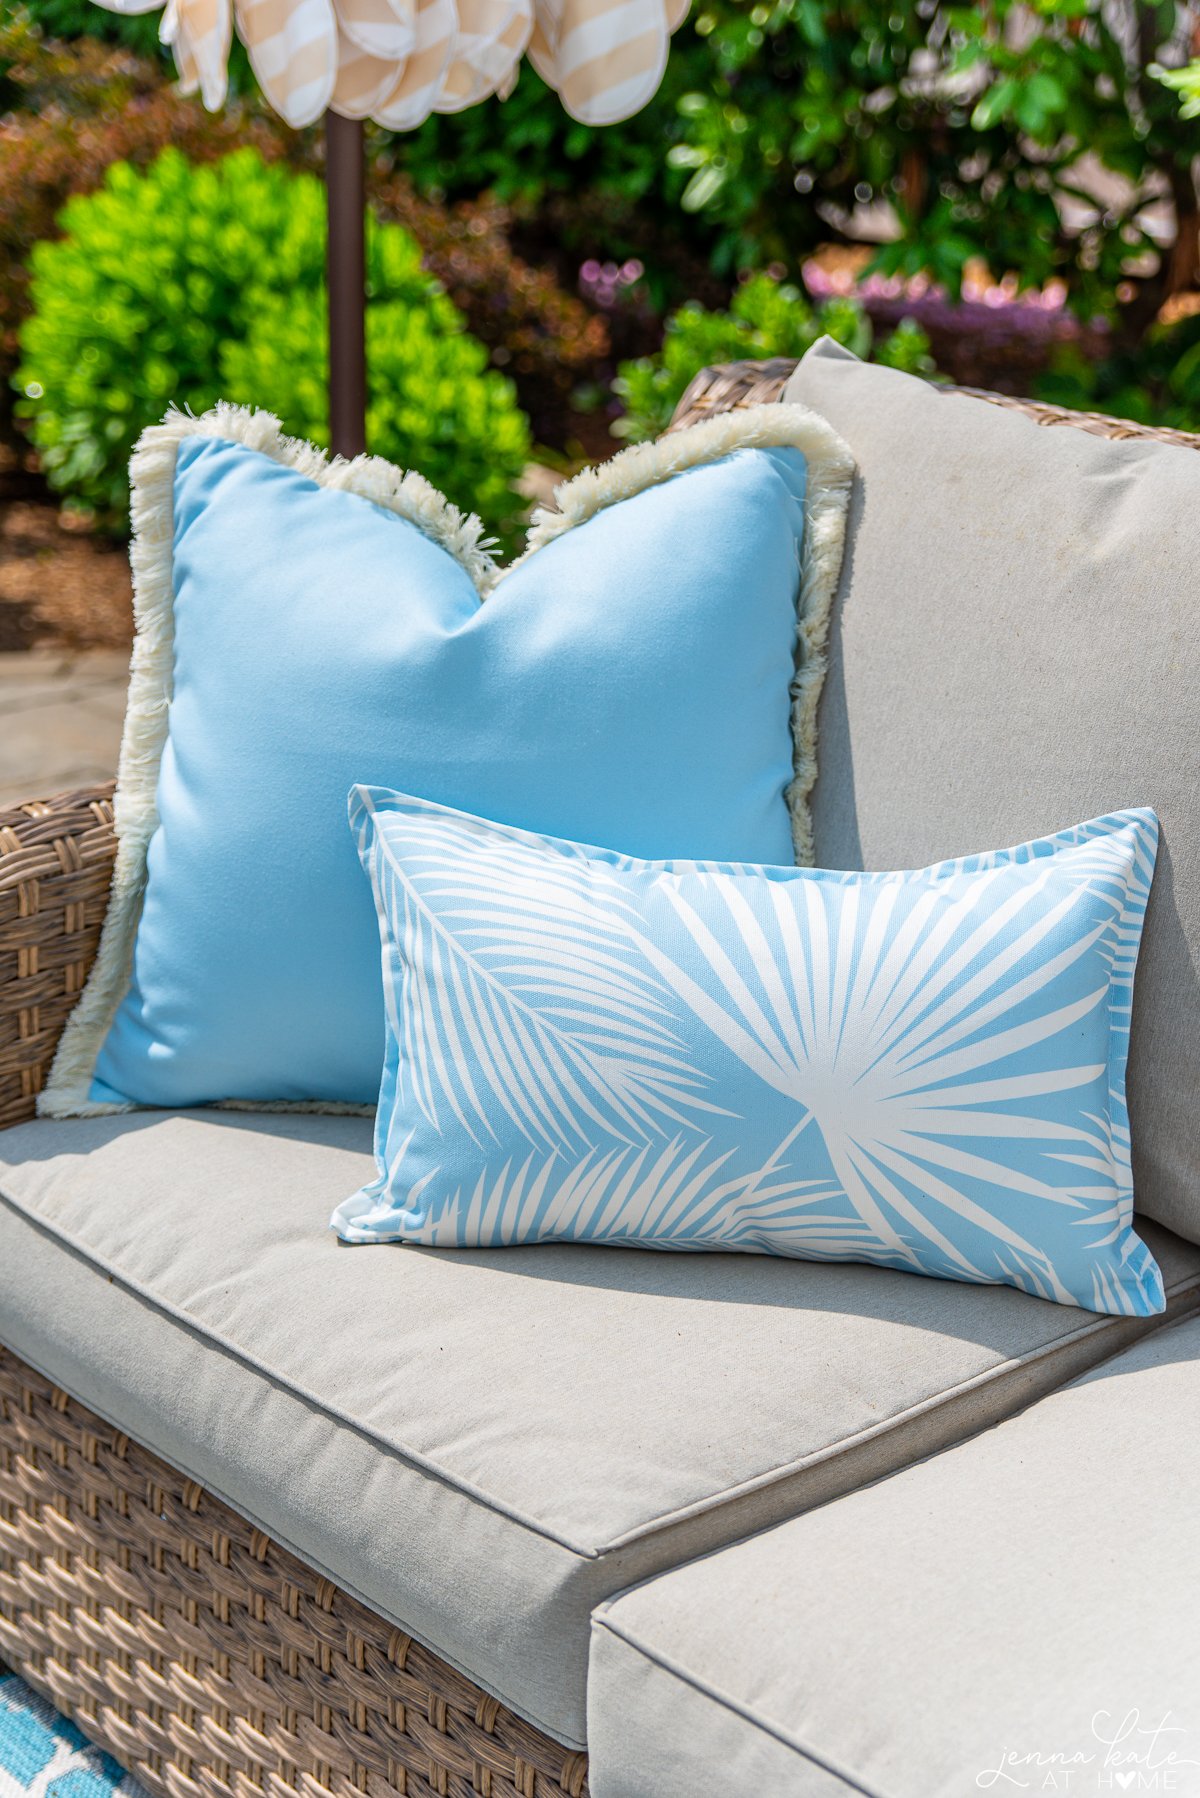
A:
(207, 1660)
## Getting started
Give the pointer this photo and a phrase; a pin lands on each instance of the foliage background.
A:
(158, 293)
(956, 156)
(779, 120)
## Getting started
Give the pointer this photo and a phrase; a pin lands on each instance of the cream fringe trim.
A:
(827, 496)
(830, 469)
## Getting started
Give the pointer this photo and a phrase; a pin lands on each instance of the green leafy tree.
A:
(766, 318)
(164, 289)
(779, 118)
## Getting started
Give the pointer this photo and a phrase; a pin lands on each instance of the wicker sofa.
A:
(210, 1659)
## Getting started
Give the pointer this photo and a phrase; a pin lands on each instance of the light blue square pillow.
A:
(924, 1070)
(303, 625)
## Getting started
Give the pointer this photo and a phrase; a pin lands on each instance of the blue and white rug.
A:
(44, 1756)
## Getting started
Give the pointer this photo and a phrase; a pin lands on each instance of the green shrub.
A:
(766, 318)
(72, 110)
(75, 108)
(434, 405)
(160, 292)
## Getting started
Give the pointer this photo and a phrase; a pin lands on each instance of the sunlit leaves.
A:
(774, 117)
(766, 318)
(185, 285)
(1185, 82)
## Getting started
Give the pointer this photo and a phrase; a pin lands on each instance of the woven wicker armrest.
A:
(56, 858)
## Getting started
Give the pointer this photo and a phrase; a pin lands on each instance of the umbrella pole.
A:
(346, 274)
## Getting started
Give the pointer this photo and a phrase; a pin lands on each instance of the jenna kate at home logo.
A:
(1129, 1751)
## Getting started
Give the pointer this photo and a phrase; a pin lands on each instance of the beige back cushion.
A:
(1016, 648)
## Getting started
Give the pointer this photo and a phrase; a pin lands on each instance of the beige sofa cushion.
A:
(1030, 1593)
(483, 1445)
(1015, 648)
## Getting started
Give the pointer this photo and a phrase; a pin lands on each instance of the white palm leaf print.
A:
(904, 1020)
(680, 1195)
(924, 1070)
(524, 1001)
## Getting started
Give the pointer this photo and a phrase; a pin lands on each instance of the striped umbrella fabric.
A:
(396, 61)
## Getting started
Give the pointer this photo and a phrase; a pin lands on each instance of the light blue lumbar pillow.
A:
(924, 1070)
(633, 680)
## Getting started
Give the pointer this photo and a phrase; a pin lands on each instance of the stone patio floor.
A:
(60, 720)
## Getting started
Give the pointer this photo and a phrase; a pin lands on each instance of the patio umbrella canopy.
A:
(400, 60)
(397, 61)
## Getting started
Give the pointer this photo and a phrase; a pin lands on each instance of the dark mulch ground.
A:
(59, 588)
